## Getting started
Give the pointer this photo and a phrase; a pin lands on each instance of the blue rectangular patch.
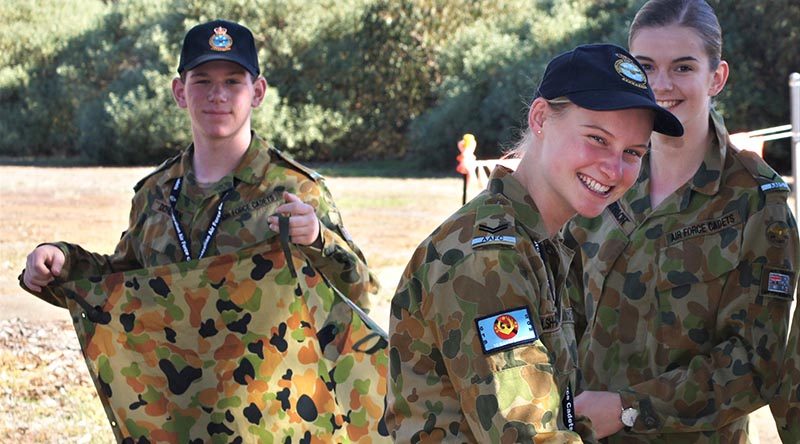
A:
(775, 186)
(506, 330)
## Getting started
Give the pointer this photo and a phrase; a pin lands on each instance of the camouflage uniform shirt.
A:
(257, 185)
(786, 405)
(684, 308)
(482, 346)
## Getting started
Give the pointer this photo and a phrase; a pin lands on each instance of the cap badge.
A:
(220, 41)
(630, 72)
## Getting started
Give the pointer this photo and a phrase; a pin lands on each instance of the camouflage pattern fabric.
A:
(258, 184)
(786, 405)
(229, 349)
(465, 365)
(684, 308)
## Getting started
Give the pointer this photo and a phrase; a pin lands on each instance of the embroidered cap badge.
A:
(630, 71)
(220, 41)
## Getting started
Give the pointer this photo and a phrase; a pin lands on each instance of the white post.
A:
(794, 103)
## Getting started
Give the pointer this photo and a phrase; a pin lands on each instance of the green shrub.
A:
(349, 79)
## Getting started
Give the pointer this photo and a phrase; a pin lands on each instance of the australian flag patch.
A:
(777, 282)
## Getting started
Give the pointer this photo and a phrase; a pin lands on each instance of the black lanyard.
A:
(212, 228)
(546, 274)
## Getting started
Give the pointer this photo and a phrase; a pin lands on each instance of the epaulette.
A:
(494, 224)
(313, 175)
(768, 180)
(164, 165)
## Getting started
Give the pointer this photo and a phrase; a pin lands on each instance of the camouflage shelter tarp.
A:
(231, 348)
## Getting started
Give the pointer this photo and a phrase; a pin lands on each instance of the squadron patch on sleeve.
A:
(777, 282)
(506, 330)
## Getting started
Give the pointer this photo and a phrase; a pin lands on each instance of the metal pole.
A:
(794, 102)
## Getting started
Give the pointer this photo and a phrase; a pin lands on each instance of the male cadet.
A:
(202, 354)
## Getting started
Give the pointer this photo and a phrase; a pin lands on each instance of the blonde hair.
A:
(558, 105)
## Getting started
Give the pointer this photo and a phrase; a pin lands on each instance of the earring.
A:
(538, 131)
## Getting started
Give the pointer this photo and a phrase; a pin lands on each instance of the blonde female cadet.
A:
(482, 341)
(688, 279)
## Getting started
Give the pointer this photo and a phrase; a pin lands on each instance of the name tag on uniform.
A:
(704, 228)
(506, 330)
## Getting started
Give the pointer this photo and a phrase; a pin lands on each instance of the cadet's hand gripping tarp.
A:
(231, 348)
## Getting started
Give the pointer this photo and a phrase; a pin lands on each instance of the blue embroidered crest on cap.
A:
(220, 41)
(505, 330)
(630, 72)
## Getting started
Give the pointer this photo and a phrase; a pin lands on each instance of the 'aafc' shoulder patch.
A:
(494, 225)
(777, 282)
(506, 330)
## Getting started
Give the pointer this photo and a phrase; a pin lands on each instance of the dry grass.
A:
(45, 393)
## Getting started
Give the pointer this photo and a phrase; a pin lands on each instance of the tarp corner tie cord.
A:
(283, 228)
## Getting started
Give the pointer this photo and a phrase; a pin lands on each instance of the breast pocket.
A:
(159, 244)
(690, 280)
(245, 227)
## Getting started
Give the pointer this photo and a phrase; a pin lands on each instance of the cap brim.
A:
(221, 56)
(664, 123)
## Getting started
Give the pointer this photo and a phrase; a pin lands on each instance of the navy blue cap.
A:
(219, 40)
(605, 77)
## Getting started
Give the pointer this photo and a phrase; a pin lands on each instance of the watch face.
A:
(628, 416)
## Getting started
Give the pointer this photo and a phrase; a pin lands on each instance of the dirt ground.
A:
(45, 391)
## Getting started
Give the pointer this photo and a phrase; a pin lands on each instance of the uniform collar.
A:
(501, 181)
(251, 168)
(708, 177)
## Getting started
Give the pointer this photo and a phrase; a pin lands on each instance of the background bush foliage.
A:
(349, 79)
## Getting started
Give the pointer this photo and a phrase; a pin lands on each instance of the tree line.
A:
(348, 79)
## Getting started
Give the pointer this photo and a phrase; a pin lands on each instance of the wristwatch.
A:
(628, 416)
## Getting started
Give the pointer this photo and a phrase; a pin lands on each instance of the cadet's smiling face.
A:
(679, 71)
(219, 96)
(585, 159)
